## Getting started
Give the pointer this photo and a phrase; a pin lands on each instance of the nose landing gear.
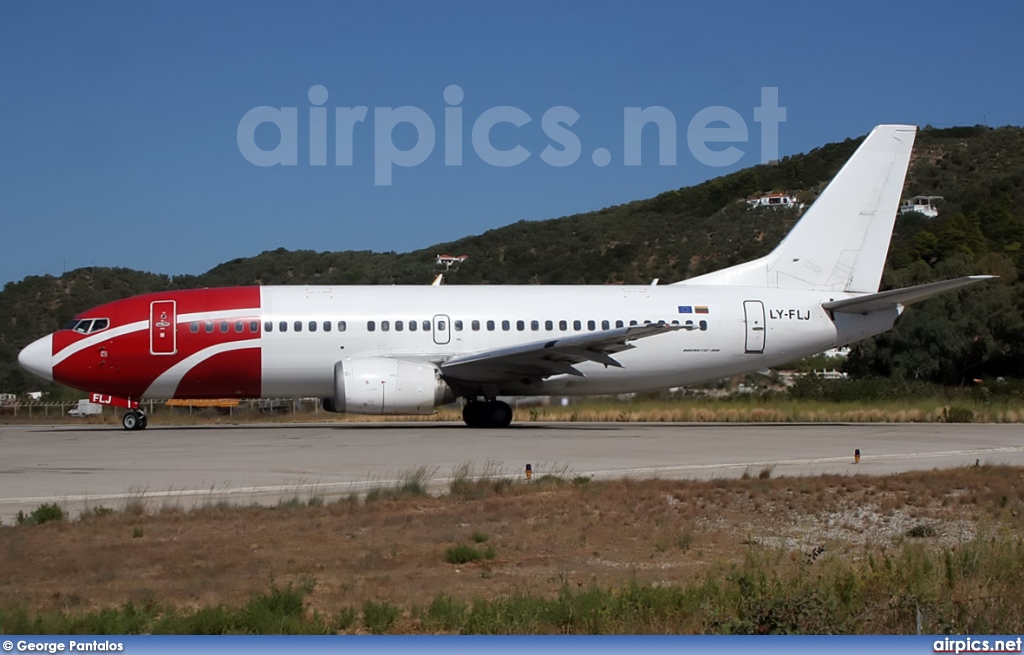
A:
(134, 420)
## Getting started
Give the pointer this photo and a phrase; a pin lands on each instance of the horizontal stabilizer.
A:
(888, 299)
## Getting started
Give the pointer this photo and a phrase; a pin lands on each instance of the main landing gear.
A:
(134, 420)
(487, 414)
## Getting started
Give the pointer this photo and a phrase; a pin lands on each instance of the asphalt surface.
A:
(87, 466)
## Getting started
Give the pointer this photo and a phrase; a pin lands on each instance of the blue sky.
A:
(120, 142)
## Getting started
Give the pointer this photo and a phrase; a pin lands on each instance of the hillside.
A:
(675, 235)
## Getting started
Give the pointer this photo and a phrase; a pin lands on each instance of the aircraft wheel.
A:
(130, 421)
(134, 420)
(499, 413)
(472, 414)
(487, 414)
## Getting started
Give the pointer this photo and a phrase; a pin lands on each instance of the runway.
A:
(87, 466)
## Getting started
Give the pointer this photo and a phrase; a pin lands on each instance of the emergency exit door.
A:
(163, 328)
(753, 313)
(442, 329)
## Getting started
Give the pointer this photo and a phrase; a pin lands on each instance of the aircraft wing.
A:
(874, 302)
(550, 357)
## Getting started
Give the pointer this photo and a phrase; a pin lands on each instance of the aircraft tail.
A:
(841, 241)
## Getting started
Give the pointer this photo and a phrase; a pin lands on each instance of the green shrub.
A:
(480, 537)
(921, 530)
(379, 617)
(445, 614)
(45, 513)
(345, 619)
(461, 554)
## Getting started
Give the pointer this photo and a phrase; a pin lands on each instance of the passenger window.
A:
(577, 325)
(208, 326)
(506, 326)
(475, 325)
(591, 325)
(534, 325)
(371, 326)
(413, 326)
(223, 326)
(606, 325)
(342, 326)
(632, 322)
(549, 325)
(239, 326)
(520, 325)
(327, 326)
(399, 326)
(441, 326)
(563, 325)
(254, 326)
(312, 326)
(385, 326)
(619, 324)
(283, 326)
(426, 325)
(490, 326)
(193, 327)
(298, 326)
(703, 325)
(457, 325)
(268, 326)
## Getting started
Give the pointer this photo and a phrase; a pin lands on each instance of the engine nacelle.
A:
(381, 385)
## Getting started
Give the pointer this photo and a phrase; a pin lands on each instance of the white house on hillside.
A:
(922, 205)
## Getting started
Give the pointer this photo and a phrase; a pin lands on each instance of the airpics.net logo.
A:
(711, 134)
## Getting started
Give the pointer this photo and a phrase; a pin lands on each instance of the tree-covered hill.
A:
(976, 333)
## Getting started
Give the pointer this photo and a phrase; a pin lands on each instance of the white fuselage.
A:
(727, 333)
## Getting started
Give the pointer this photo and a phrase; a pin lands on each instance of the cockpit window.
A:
(88, 325)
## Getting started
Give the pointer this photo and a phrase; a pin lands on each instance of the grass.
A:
(973, 589)
(826, 553)
(780, 409)
(927, 404)
(409, 484)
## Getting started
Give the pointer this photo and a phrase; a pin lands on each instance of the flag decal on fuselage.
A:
(690, 309)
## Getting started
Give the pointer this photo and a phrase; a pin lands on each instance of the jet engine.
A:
(382, 385)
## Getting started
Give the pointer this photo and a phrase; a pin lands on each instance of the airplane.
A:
(409, 349)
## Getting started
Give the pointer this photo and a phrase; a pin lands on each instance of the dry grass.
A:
(543, 538)
(753, 410)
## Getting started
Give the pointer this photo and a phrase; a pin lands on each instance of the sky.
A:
(171, 137)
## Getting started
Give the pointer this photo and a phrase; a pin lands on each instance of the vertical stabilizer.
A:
(841, 241)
